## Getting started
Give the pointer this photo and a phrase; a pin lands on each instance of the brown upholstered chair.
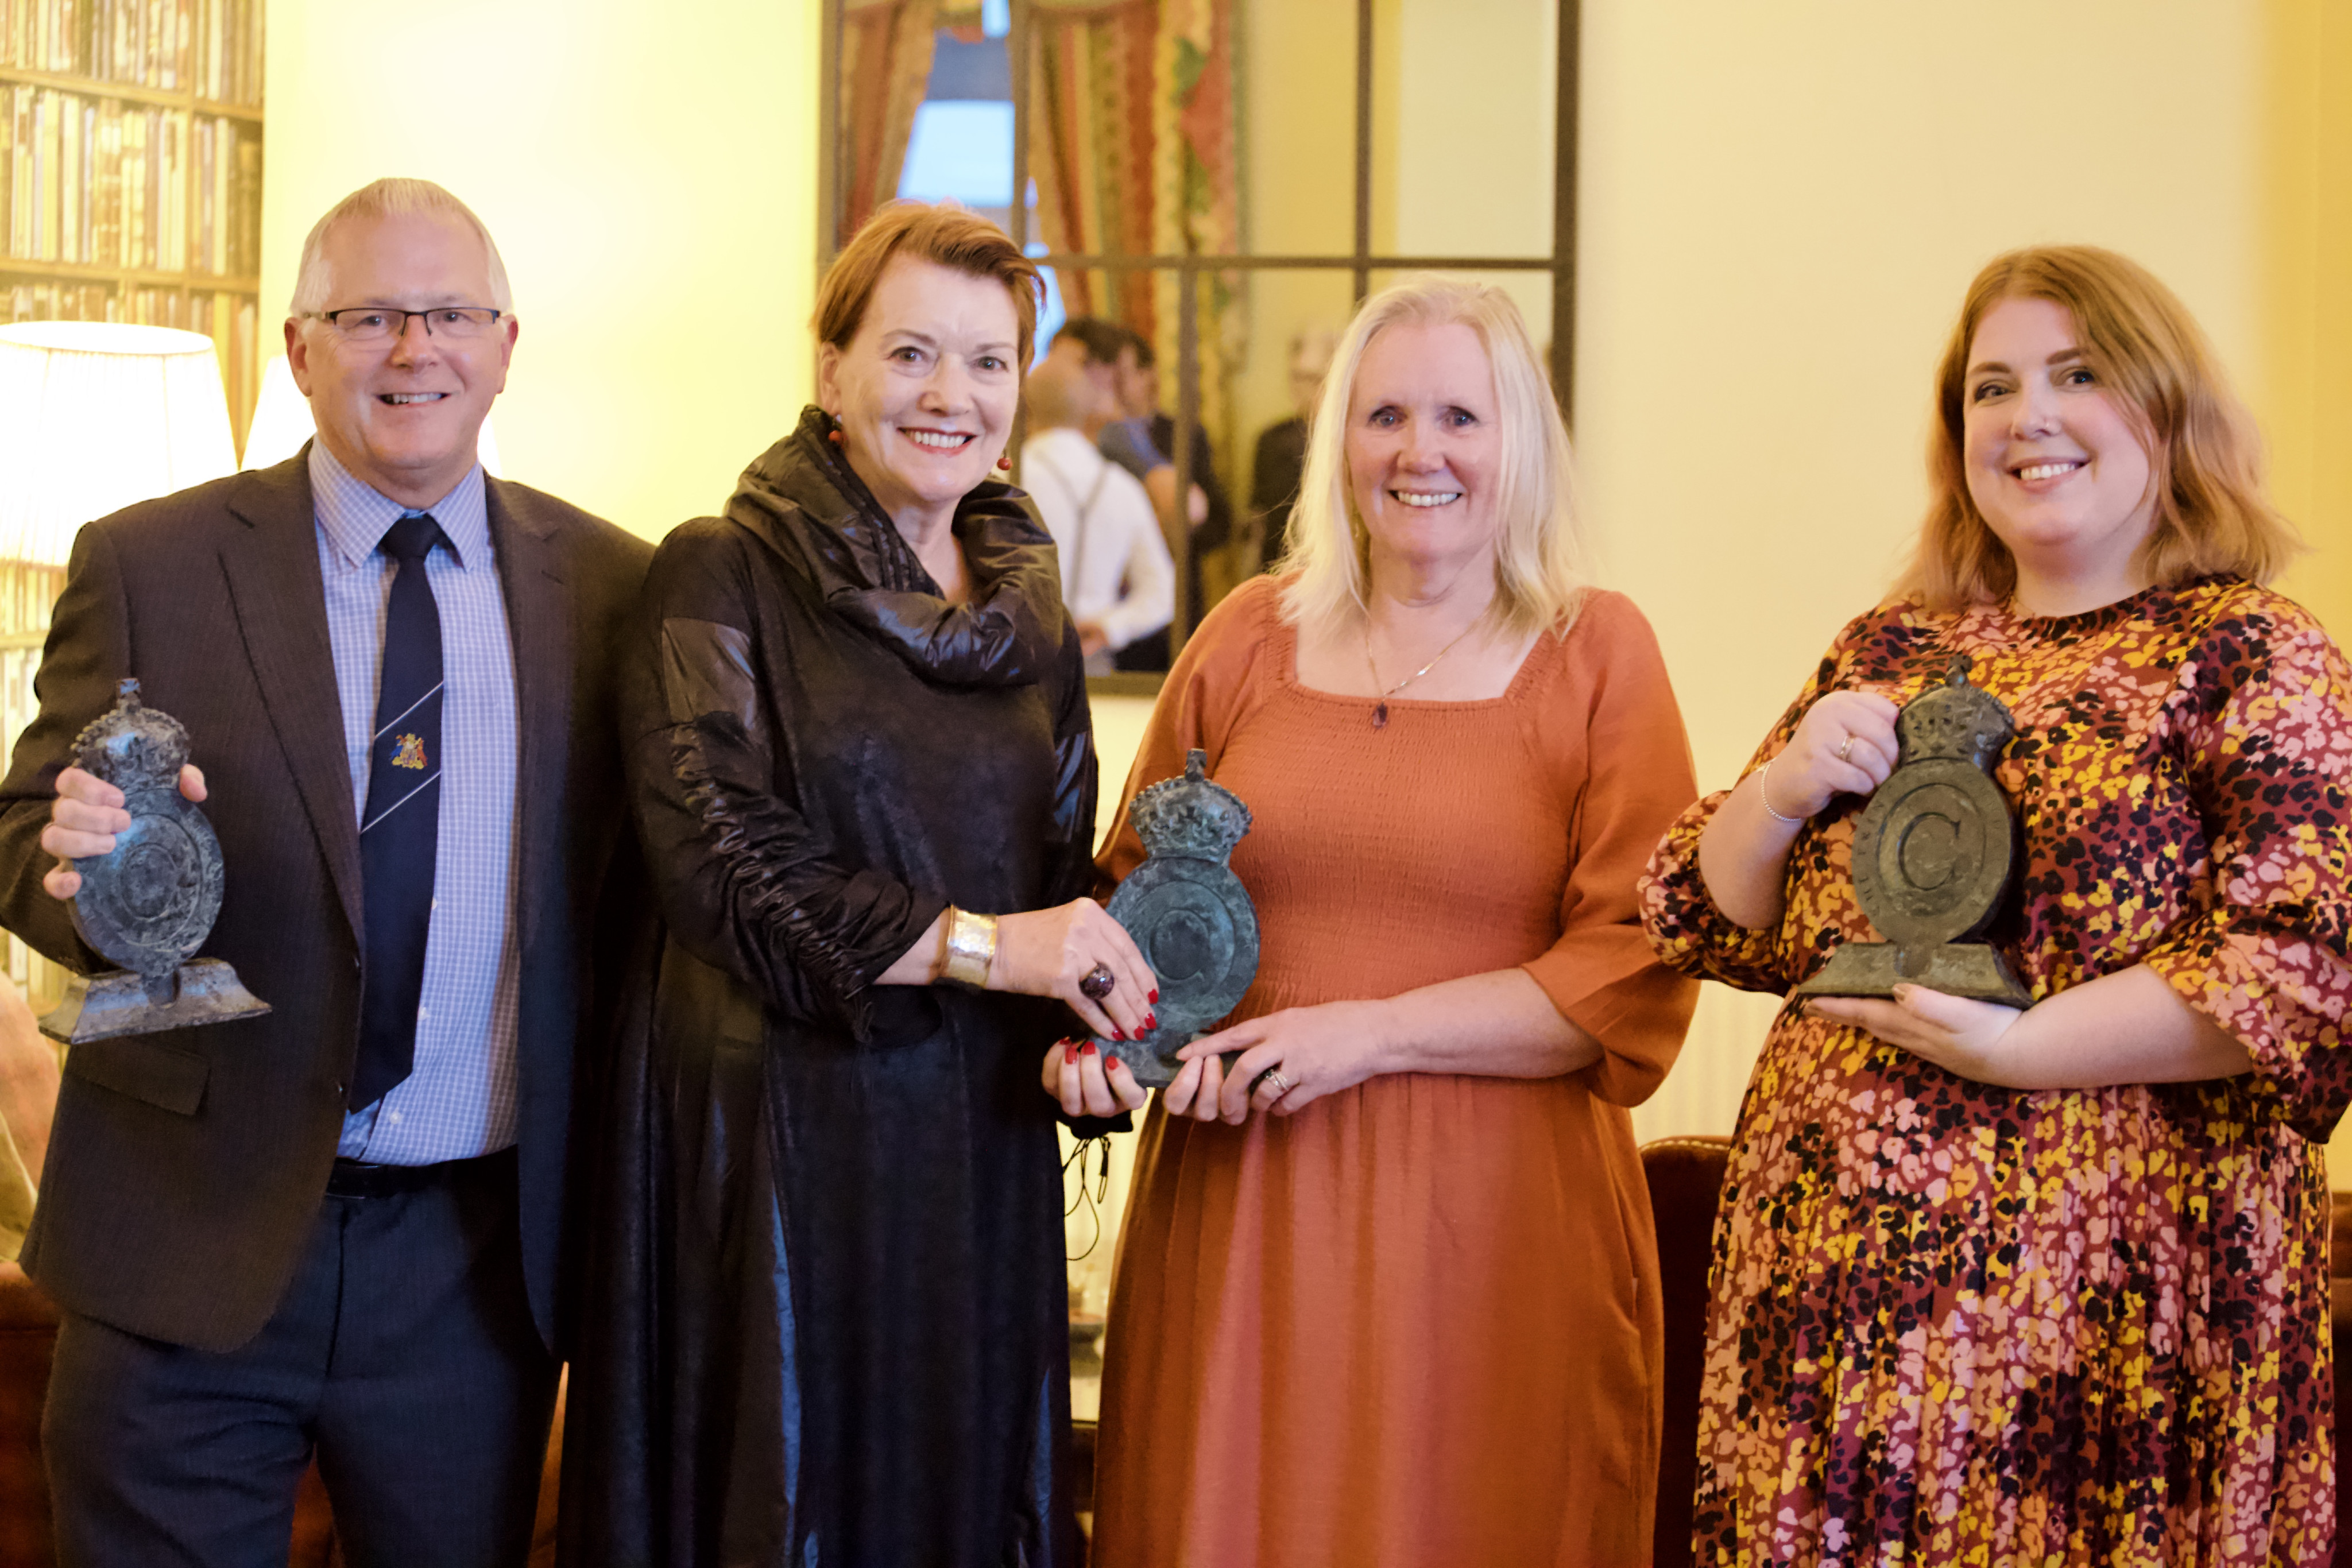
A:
(28, 1328)
(2339, 1268)
(1686, 1177)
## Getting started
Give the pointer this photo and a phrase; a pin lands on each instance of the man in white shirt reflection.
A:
(1118, 577)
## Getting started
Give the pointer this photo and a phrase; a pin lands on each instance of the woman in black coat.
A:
(826, 1315)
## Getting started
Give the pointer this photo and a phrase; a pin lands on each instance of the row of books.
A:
(96, 182)
(209, 48)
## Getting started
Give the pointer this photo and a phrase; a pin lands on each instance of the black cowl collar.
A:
(809, 505)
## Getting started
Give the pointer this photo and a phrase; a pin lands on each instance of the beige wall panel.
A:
(650, 173)
(1781, 207)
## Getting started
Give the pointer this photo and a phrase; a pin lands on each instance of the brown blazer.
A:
(185, 1168)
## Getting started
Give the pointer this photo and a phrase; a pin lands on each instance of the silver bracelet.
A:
(1764, 798)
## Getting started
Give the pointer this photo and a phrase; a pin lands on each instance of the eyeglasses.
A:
(380, 323)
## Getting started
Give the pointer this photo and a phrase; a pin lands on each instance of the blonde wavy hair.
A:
(2204, 454)
(1539, 558)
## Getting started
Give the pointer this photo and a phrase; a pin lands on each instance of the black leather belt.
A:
(357, 1178)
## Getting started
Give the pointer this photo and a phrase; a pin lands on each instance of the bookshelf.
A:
(130, 138)
(129, 191)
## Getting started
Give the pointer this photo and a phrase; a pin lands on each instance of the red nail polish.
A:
(1069, 1052)
(1151, 1022)
(1087, 1049)
(1155, 995)
(1118, 1034)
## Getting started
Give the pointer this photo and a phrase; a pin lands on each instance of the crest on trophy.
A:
(1933, 855)
(1188, 914)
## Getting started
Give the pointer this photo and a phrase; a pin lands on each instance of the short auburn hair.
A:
(2204, 455)
(946, 235)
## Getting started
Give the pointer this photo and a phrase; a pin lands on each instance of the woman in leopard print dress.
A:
(2047, 1286)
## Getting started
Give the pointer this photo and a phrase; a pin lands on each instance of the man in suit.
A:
(335, 1230)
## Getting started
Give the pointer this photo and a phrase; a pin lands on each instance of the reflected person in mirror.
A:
(2046, 1285)
(1116, 577)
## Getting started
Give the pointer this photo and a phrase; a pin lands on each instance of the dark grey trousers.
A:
(404, 1353)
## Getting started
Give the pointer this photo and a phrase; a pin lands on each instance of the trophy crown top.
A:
(131, 746)
(1956, 719)
(1191, 817)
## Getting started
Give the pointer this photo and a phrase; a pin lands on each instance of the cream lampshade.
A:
(282, 423)
(95, 415)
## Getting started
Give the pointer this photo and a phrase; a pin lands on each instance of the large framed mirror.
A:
(1226, 180)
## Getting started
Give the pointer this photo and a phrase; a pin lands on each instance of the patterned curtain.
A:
(1132, 145)
(886, 64)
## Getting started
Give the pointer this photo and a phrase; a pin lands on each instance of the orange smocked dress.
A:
(1416, 1322)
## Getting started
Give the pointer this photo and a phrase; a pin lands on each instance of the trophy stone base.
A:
(1968, 970)
(117, 1002)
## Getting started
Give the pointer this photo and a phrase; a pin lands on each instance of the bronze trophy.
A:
(150, 904)
(1188, 913)
(1933, 854)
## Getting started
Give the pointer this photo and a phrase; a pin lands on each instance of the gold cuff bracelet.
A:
(972, 947)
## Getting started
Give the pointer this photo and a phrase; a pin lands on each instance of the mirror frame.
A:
(1359, 261)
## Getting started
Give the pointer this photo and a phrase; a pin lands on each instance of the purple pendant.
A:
(1380, 715)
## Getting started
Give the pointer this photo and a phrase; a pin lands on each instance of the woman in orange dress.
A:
(1388, 1292)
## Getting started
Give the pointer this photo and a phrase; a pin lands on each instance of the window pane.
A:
(926, 114)
(1463, 127)
(960, 151)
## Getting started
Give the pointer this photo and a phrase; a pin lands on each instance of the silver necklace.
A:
(1380, 706)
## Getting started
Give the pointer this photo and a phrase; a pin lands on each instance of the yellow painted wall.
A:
(650, 174)
(1781, 206)
(2307, 193)
(2307, 399)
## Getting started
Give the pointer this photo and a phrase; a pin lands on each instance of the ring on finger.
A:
(1099, 983)
(1845, 748)
(1274, 1081)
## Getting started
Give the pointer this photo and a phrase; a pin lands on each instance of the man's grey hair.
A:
(384, 199)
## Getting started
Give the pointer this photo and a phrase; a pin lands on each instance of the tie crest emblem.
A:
(408, 751)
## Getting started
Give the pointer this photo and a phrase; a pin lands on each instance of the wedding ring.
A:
(1843, 747)
(1277, 1082)
(1098, 984)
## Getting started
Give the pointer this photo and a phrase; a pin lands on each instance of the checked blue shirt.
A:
(460, 1100)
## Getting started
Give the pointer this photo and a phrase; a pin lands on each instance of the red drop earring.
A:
(834, 436)
(1005, 464)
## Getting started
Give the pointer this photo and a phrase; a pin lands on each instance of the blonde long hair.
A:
(1539, 570)
(2212, 514)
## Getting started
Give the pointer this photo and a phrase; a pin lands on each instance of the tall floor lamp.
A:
(94, 415)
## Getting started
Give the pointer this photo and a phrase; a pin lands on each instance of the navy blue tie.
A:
(401, 823)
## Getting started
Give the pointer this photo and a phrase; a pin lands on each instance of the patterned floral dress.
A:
(1956, 1323)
